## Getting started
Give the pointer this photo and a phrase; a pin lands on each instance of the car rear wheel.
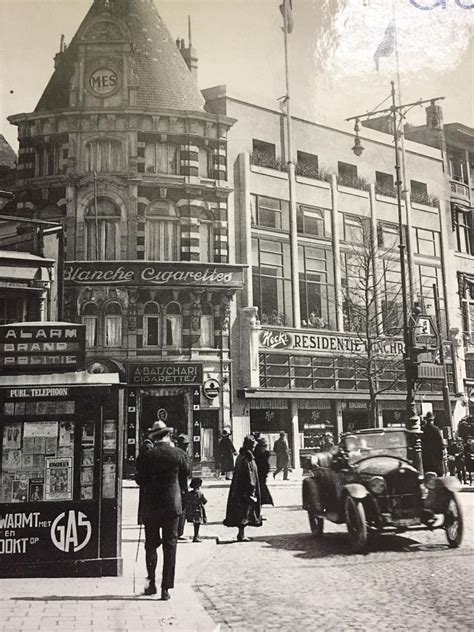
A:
(316, 525)
(453, 521)
(356, 524)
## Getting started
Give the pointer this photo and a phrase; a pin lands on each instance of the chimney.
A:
(189, 53)
(434, 116)
(62, 48)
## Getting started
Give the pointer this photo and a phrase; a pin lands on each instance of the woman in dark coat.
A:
(243, 503)
(262, 460)
(226, 455)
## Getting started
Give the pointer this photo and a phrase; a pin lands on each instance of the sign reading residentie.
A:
(152, 274)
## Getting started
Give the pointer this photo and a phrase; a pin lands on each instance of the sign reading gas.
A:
(103, 81)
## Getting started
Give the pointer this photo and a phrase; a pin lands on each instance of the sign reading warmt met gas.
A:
(152, 273)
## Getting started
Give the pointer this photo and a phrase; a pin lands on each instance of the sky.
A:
(240, 43)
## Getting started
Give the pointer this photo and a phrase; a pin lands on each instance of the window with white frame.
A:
(151, 325)
(207, 326)
(90, 318)
(427, 242)
(354, 231)
(161, 158)
(206, 238)
(464, 225)
(314, 222)
(173, 325)
(113, 325)
(104, 155)
(102, 230)
(163, 232)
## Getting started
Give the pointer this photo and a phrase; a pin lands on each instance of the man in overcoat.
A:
(162, 473)
(432, 446)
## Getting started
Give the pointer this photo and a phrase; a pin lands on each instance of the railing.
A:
(460, 190)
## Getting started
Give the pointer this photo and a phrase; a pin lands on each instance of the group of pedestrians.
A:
(459, 457)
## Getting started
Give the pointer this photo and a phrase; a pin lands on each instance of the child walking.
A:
(195, 511)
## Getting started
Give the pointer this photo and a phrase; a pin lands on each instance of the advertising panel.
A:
(160, 373)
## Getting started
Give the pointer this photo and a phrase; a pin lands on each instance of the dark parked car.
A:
(369, 482)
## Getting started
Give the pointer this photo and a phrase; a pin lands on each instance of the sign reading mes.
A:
(42, 347)
(103, 81)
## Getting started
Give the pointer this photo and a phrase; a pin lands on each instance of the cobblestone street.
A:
(284, 579)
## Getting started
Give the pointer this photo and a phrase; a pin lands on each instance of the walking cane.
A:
(136, 555)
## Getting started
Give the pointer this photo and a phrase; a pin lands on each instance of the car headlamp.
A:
(430, 480)
(376, 484)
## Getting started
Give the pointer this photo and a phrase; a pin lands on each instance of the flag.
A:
(387, 45)
(286, 7)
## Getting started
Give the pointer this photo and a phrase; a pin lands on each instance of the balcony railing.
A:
(459, 190)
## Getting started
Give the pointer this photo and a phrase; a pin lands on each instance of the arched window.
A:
(162, 233)
(113, 325)
(151, 325)
(205, 157)
(161, 158)
(102, 231)
(207, 326)
(206, 238)
(104, 155)
(90, 319)
(174, 328)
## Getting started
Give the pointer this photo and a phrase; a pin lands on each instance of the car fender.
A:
(449, 482)
(438, 498)
(309, 493)
(356, 490)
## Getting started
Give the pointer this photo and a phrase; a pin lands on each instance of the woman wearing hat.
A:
(262, 459)
(226, 455)
(243, 503)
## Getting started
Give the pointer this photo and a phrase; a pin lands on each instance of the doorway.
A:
(209, 434)
(168, 408)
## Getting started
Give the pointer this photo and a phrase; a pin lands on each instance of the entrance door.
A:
(209, 434)
(168, 408)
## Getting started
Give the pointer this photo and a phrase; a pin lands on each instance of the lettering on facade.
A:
(26, 393)
(428, 5)
(275, 339)
(171, 374)
(71, 531)
(103, 81)
(137, 273)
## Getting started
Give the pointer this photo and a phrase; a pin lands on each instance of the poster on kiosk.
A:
(60, 468)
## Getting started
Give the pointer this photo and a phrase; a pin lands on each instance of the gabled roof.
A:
(164, 80)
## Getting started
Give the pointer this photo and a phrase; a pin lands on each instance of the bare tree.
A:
(372, 311)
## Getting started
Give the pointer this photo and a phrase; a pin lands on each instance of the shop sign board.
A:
(160, 373)
(26, 347)
(154, 274)
(42, 531)
(281, 339)
(425, 334)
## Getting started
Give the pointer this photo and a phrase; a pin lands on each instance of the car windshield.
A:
(359, 446)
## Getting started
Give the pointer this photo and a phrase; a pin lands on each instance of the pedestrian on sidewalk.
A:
(163, 472)
(243, 503)
(195, 510)
(262, 460)
(146, 446)
(432, 446)
(226, 455)
(282, 456)
(182, 443)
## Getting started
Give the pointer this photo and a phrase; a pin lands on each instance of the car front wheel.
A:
(453, 521)
(356, 524)
(316, 525)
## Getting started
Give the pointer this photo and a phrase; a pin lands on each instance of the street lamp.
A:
(409, 355)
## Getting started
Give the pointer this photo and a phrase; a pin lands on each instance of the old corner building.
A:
(121, 150)
(182, 261)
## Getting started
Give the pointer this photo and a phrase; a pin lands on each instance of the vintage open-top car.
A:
(369, 481)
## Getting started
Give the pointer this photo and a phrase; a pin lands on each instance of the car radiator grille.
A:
(403, 496)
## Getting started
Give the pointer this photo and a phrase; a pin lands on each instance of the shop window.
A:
(315, 265)
(206, 238)
(163, 232)
(207, 327)
(271, 212)
(272, 282)
(104, 155)
(12, 309)
(312, 221)
(427, 242)
(161, 158)
(151, 325)
(102, 231)
(384, 184)
(174, 325)
(113, 325)
(90, 320)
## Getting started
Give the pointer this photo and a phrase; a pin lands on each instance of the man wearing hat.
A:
(162, 472)
(432, 446)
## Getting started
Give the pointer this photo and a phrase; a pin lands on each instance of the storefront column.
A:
(295, 434)
(339, 426)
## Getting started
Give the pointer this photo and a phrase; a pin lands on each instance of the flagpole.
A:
(405, 188)
(291, 185)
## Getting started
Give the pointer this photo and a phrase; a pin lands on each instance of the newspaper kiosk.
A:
(61, 434)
